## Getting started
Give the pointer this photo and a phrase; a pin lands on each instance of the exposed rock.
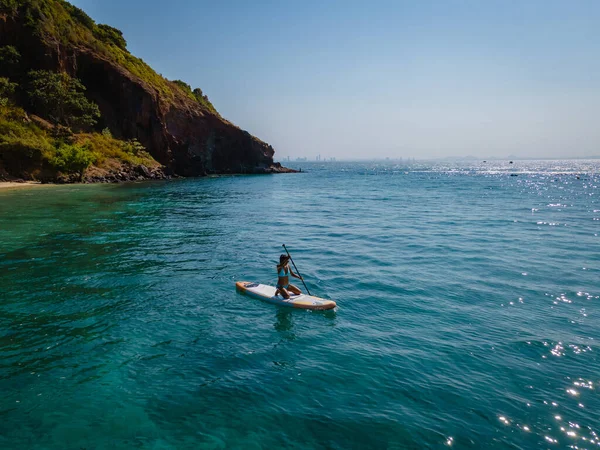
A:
(119, 173)
(278, 168)
(143, 171)
(41, 122)
(180, 133)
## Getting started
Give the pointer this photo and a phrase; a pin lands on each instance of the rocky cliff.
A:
(182, 132)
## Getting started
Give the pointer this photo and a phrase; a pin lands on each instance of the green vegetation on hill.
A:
(10, 58)
(72, 158)
(17, 133)
(109, 34)
(59, 21)
(196, 95)
(61, 99)
(47, 124)
(7, 90)
(35, 147)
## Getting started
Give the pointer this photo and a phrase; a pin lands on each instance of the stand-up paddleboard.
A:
(267, 294)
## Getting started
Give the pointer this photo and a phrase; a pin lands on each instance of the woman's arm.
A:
(294, 275)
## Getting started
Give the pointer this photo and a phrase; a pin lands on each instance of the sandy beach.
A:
(13, 185)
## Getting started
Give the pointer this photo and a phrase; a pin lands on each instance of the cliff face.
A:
(135, 102)
(178, 132)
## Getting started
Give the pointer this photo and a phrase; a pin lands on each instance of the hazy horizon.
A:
(388, 79)
(456, 159)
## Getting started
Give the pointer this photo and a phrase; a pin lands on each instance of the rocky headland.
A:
(75, 105)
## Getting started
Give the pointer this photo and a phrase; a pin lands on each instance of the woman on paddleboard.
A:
(283, 281)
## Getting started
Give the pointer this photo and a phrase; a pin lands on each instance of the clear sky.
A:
(359, 79)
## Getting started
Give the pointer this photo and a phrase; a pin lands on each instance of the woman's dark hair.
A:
(283, 258)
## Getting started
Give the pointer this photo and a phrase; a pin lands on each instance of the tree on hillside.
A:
(184, 86)
(203, 99)
(73, 158)
(199, 94)
(111, 35)
(79, 15)
(60, 98)
(10, 59)
(7, 90)
(9, 6)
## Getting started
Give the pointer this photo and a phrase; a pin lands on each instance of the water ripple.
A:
(468, 306)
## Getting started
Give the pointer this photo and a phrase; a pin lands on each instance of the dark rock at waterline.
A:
(143, 171)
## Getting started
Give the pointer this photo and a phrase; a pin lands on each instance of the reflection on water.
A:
(285, 322)
(285, 319)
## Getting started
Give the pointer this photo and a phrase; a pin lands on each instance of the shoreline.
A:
(18, 184)
(5, 185)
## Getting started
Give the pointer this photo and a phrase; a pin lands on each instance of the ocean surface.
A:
(468, 310)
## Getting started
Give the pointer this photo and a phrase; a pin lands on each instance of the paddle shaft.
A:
(297, 271)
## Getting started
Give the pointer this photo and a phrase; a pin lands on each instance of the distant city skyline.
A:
(357, 80)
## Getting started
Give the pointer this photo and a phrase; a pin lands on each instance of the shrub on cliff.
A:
(106, 148)
(203, 100)
(110, 35)
(61, 99)
(133, 147)
(9, 6)
(196, 95)
(183, 86)
(72, 158)
(78, 14)
(7, 89)
(23, 146)
(10, 59)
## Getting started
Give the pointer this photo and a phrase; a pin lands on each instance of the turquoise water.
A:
(469, 307)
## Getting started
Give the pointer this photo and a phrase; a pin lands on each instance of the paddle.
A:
(297, 271)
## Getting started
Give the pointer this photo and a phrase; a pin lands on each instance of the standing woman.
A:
(283, 281)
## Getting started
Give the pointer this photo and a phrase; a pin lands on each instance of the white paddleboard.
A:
(266, 293)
